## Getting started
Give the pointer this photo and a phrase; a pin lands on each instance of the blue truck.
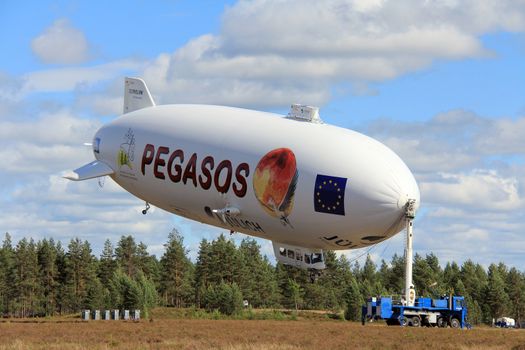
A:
(447, 311)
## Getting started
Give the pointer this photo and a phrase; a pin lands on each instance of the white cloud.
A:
(59, 127)
(70, 78)
(470, 172)
(47, 143)
(270, 53)
(55, 207)
(506, 136)
(457, 140)
(61, 43)
(480, 189)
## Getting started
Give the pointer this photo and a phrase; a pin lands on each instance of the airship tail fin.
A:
(136, 95)
(89, 171)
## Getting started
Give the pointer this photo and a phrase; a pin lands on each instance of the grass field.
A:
(310, 333)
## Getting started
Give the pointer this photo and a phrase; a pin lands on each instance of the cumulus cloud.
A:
(266, 54)
(481, 189)
(51, 206)
(49, 142)
(273, 53)
(61, 43)
(470, 172)
(270, 53)
(452, 141)
(90, 80)
(70, 78)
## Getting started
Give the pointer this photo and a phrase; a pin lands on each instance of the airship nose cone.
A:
(399, 187)
(408, 191)
(380, 190)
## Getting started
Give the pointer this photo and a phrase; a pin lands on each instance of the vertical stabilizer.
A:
(136, 95)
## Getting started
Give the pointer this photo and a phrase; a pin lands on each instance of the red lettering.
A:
(206, 173)
(240, 191)
(225, 164)
(189, 172)
(159, 162)
(221, 177)
(175, 177)
(147, 157)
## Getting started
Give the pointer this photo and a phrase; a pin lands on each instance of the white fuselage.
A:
(284, 176)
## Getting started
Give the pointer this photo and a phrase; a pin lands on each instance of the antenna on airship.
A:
(410, 214)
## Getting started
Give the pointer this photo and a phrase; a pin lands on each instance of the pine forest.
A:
(44, 278)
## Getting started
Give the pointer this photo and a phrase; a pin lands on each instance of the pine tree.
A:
(296, 293)
(125, 291)
(61, 301)
(126, 255)
(395, 283)
(285, 273)
(7, 276)
(48, 275)
(339, 275)
(267, 285)
(369, 270)
(474, 278)
(148, 294)
(422, 274)
(26, 278)
(354, 301)
(147, 263)
(515, 287)
(383, 274)
(224, 258)
(451, 275)
(176, 272)
(497, 299)
(107, 264)
(81, 279)
(257, 278)
(202, 272)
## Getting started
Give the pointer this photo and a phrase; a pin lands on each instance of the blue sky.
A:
(440, 82)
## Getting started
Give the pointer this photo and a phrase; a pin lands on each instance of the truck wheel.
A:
(454, 323)
(416, 321)
(403, 321)
(441, 322)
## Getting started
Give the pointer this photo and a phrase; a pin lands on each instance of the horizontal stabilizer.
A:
(89, 171)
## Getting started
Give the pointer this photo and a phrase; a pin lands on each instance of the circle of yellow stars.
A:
(328, 207)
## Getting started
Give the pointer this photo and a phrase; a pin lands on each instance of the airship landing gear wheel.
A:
(454, 323)
(415, 321)
(145, 211)
(441, 322)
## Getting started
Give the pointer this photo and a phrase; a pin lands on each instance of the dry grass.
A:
(253, 335)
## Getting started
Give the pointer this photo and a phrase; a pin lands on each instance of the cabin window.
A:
(307, 259)
(298, 256)
(282, 251)
(291, 254)
(317, 258)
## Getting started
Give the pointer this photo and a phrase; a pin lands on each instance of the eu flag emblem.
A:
(329, 194)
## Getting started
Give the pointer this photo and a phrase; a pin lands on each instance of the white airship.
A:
(303, 184)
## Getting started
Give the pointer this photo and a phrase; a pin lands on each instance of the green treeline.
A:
(43, 279)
